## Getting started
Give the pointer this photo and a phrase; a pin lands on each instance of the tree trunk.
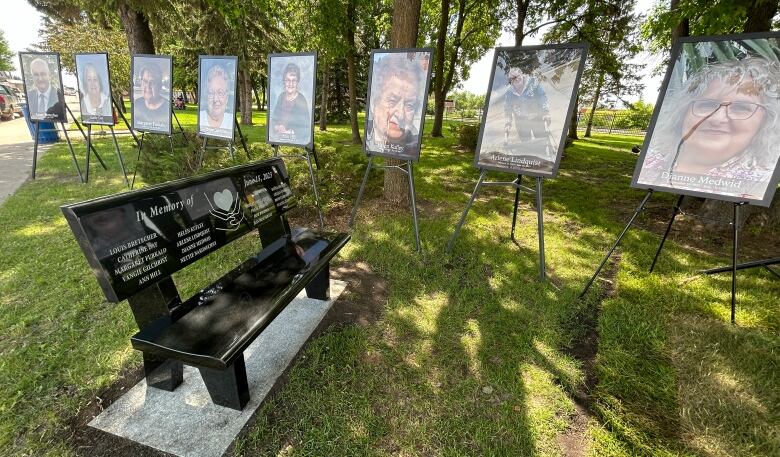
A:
(438, 82)
(449, 74)
(759, 15)
(121, 102)
(324, 98)
(184, 95)
(572, 135)
(264, 87)
(245, 92)
(136, 25)
(257, 97)
(339, 97)
(522, 13)
(353, 108)
(595, 104)
(406, 21)
(683, 28)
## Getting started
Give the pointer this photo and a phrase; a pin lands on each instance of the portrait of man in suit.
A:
(45, 99)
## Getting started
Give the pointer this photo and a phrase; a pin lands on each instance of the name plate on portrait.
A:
(131, 240)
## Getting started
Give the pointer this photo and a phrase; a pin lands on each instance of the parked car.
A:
(9, 103)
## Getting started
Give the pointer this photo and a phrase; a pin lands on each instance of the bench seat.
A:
(213, 328)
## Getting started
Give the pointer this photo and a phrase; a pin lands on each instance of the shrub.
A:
(467, 137)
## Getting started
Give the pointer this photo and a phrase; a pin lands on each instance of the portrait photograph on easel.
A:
(717, 132)
(217, 100)
(94, 83)
(528, 108)
(291, 79)
(713, 134)
(43, 84)
(151, 93)
(397, 97)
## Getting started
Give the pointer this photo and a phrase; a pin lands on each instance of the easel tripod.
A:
(231, 145)
(735, 241)
(170, 142)
(38, 130)
(517, 184)
(116, 144)
(307, 156)
(412, 196)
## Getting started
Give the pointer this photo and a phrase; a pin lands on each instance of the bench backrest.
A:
(136, 239)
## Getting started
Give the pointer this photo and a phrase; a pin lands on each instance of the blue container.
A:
(48, 133)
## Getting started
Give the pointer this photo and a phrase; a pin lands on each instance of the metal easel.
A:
(517, 184)
(70, 145)
(307, 157)
(170, 142)
(116, 143)
(677, 210)
(412, 195)
(231, 145)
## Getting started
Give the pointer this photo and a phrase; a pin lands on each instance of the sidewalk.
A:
(16, 151)
(15, 156)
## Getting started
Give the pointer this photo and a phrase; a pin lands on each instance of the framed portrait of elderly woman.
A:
(42, 81)
(715, 131)
(528, 108)
(151, 92)
(291, 80)
(398, 82)
(94, 83)
(217, 98)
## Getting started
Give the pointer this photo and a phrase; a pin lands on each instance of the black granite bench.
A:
(135, 241)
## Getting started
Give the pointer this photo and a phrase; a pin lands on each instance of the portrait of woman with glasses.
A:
(217, 98)
(718, 132)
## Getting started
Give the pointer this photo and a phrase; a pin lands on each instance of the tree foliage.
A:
(465, 31)
(609, 27)
(6, 55)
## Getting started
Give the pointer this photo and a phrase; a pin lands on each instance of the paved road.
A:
(16, 148)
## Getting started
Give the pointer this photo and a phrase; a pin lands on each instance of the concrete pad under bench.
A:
(185, 422)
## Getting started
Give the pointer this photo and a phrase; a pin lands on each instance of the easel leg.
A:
(666, 233)
(202, 152)
(735, 233)
(231, 151)
(89, 148)
(73, 154)
(314, 154)
(276, 150)
(76, 121)
(138, 159)
(314, 186)
(612, 249)
(413, 196)
(119, 155)
(465, 211)
(243, 140)
(517, 200)
(170, 143)
(124, 119)
(186, 141)
(35, 150)
(360, 192)
(540, 220)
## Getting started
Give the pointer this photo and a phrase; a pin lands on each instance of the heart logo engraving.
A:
(223, 200)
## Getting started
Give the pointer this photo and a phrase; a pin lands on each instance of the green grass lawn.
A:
(471, 355)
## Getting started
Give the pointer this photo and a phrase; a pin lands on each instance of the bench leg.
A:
(165, 374)
(229, 387)
(319, 286)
